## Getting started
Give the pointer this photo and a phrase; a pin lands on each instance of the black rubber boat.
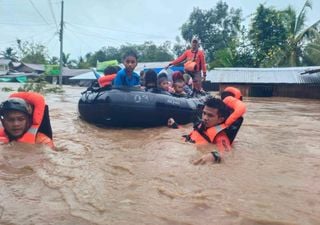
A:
(136, 108)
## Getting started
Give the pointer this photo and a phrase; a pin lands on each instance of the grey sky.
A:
(92, 24)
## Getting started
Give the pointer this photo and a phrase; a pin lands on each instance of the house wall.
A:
(277, 90)
(244, 88)
(298, 90)
(4, 68)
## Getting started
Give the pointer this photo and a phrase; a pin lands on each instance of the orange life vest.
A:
(238, 107)
(206, 136)
(235, 91)
(38, 102)
(106, 80)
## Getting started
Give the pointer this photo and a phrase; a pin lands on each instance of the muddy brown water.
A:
(145, 176)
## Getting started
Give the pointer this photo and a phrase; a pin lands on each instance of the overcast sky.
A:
(92, 24)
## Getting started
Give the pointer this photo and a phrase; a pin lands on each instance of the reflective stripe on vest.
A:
(30, 135)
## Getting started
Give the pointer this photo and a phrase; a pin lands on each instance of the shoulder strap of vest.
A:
(45, 126)
(195, 55)
(201, 132)
(217, 128)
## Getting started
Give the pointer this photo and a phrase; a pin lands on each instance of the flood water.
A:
(145, 176)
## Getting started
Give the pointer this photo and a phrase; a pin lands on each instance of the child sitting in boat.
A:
(188, 81)
(109, 73)
(178, 88)
(163, 82)
(177, 75)
(127, 77)
(150, 80)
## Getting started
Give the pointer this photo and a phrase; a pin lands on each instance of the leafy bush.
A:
(40, 85)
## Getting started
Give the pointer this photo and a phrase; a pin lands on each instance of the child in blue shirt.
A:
(127, 77)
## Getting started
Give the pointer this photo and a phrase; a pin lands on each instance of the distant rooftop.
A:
(144, 65)
(4, 61)
(288, 75)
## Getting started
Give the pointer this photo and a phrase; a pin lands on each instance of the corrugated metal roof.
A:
(4, 61)
(74, 72)
(38, 67)
(144, 65)
(84, 76)
(290, 75)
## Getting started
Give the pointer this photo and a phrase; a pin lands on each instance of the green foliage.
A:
(32, 52)
(178, 47)
(275, 38)
(312, 52)
(9, 53)
(82, 64)
(40, 85)
(6, 89)
(279, 38)
(237, 54)
(298, 36)
(147, 52)
(215, 27)
(267, 33)
(54, 60)
(67, 62)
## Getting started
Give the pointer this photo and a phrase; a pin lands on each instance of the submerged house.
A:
(30, 68)
(5, 65)
(298, 82)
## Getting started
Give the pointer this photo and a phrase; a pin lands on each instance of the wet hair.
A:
(179, 81)
(150, 78)
(130, 53)
(111, 70)
(162, 79)
(217, 103)
(162, 75)
(176, 76)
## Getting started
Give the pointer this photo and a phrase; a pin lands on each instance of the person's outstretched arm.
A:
(223, 145)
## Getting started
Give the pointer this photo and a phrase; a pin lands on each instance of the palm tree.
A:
(312, 52)
(71, 63)
(9, 53)
(298, 36)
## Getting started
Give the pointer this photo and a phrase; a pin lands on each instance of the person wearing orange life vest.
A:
(232, 98)
(110, 74)
(198, 57)
(210, 130)
(23, 115)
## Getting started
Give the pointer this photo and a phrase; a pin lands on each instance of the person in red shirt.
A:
(195, 63)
